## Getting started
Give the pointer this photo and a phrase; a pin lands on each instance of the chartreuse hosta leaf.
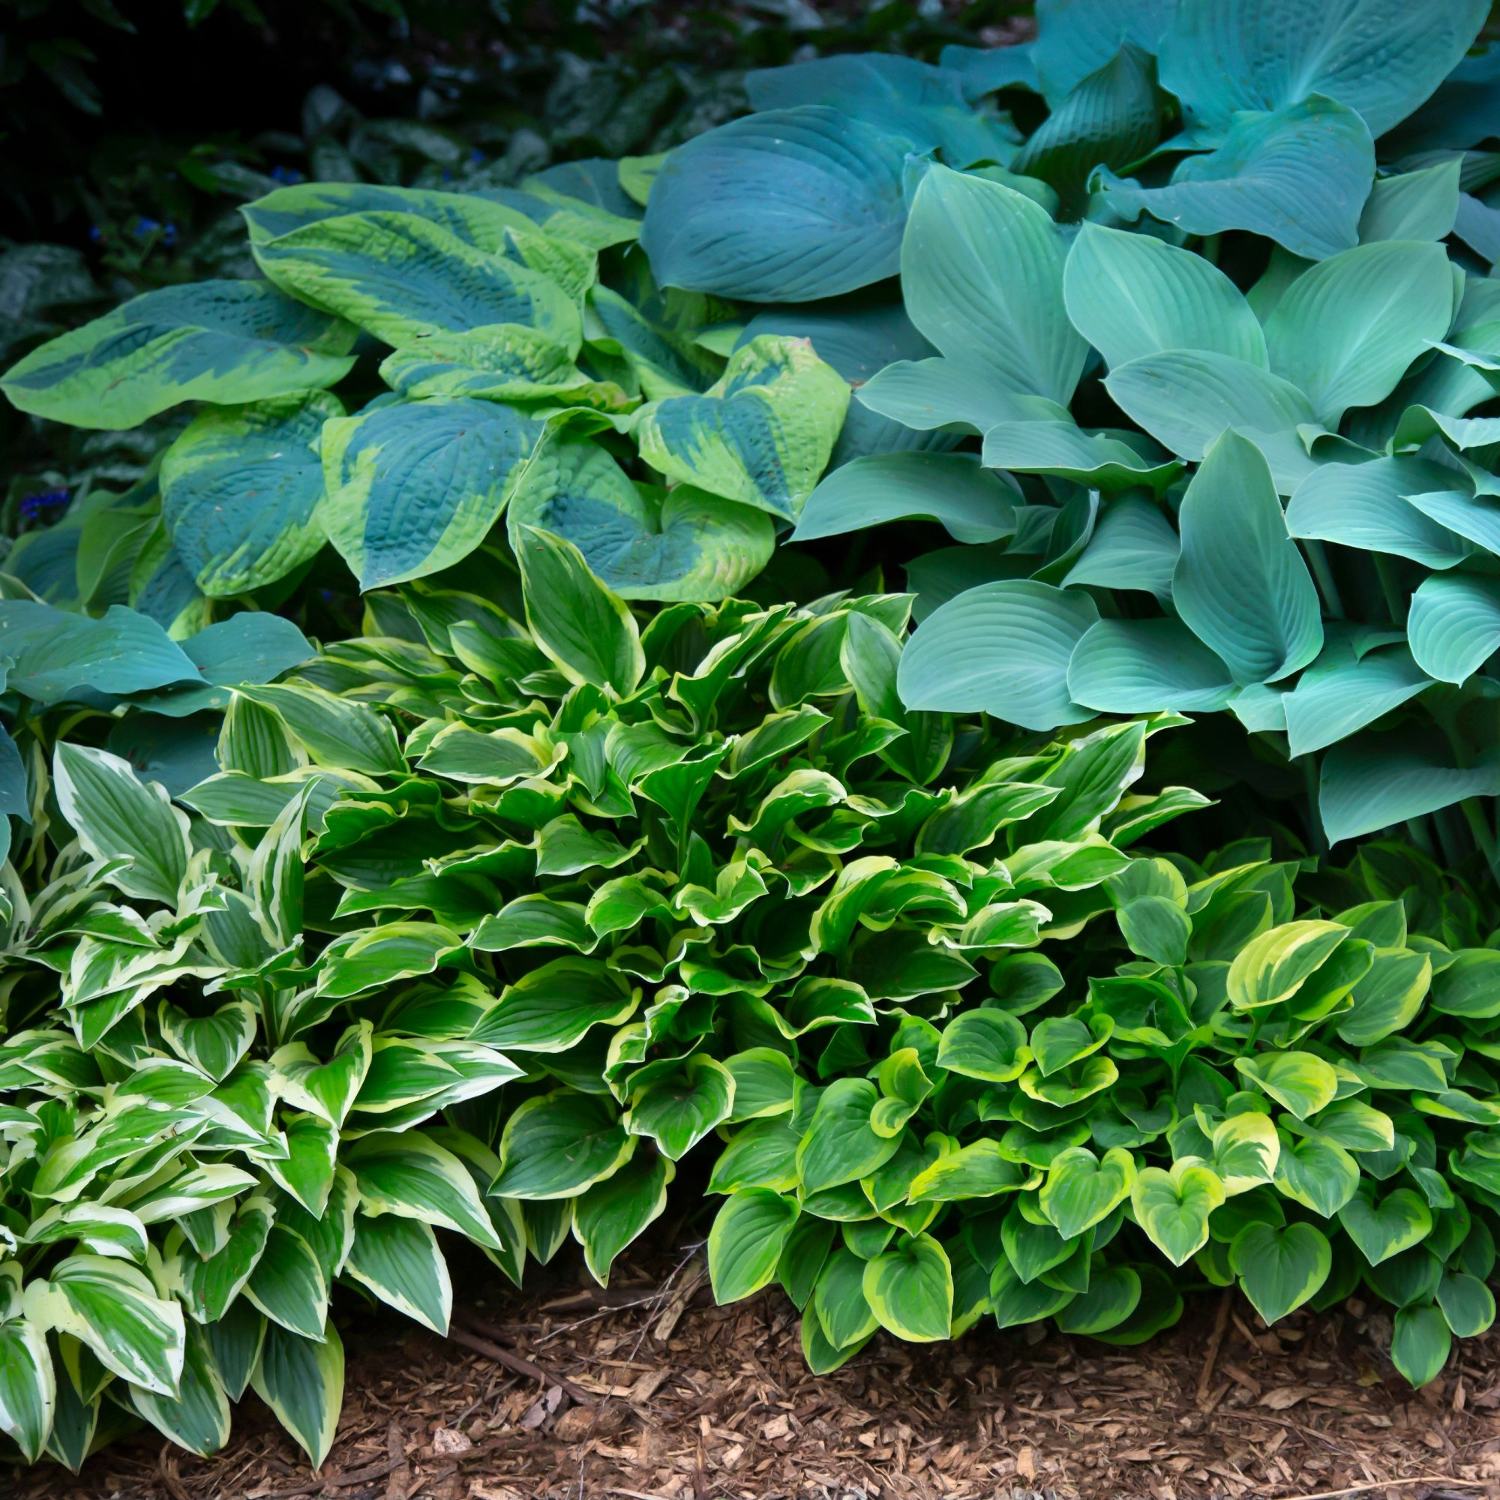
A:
(1173, 1207)
(1081, 1189)
(910, 1289)
(760, 435)
(748, 1235)
(1280, 1267)
(413, 487)
(224, 342)
(641, 541)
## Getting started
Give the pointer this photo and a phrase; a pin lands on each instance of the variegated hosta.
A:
(1291, 1088)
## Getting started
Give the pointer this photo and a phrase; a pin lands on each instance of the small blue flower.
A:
(169, 235)
(96, 234)
(146, 227)
(47, 504)
(287, 176)
(476, 157)
(326, 595)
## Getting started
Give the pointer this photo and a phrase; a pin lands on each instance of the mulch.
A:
(648, 1391)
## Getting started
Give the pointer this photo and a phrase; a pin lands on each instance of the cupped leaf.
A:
(1280, 1267)
(910, 1289)
(745, 1243)
(1454, 624)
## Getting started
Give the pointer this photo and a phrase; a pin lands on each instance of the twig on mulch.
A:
(519, 1363)
(1211, 1354)
(1391, 1484)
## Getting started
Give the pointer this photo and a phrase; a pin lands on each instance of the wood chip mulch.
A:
(650, 1392)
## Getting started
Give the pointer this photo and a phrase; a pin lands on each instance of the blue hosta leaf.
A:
(507, 362)
(1420, 205)
(1477, 224)
(1068, 452)
(1240, 583)
(1299, 177)
(950, 488)
(1142, 666)
(56, 654)
(645, 543)
(957, 393)
(1376, 780)
(1345, 331)
(1454, 624)
(1002, 648)
(783, 206)
(403, 278)
(239, 490)
(1133, 294)
(983, 70)
(415, 486)
(1342, 692)
(221, 341)
(1185, 399)
(1076, 37)
(1133, 547)
(981, 270)
(1476, 517)
(1365, 505)
(1379, 57)
(249, 648)
(761, 435)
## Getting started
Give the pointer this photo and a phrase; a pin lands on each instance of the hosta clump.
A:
(1296, 1097)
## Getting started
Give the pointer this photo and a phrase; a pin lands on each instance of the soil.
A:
(648, 1391)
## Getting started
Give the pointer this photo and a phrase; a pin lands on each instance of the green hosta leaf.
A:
(401, 278)
(415, 486)
(839, 1302)
(760, 435)
(1468, 1305)
(1365, 506)
(28, 1387)
(1375, 56)
(119, 818)
(745, 1243)
(114, 1309)
(1131, 295)
(1420, 1344)
(1280, 1267)
(1319, 1174)
(288, 1284)
(506, 362)
(1017, 1302)
(1299, 176)
(1082, 1189)
(1275, 964)
(972, 504)
(1454, 624)
(981, 1169)
(302, 1381)
(1246, 1149)
(1076, 39)
(784, 205)
(1240, 583)
(677, 1111)
(985, 1044)
(226, 342)
(1469, 985)
(197, 1418)
(841, 1145)
(981, 272)
(1173, 1207)
(1142, 666)
(1385, 1227)
(1345, 331)
(339, 732)
(399, 1261)
(552, 1007)
(1113, 1294)
(613, 1213)
(1003, 649)
(583, 627)
(411, 1176)
(559, 1144)
(1298, 1081)
(239, 491)
(910, 1290)
(642, 542)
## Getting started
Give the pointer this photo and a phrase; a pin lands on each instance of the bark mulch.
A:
(648, 1391)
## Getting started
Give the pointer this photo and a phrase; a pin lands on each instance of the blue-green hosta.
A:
(1204, 1070)
(1225, 329)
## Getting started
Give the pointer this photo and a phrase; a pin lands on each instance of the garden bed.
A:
(690, 1400)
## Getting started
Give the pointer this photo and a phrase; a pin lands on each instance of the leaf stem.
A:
(1390, 587)
(1317, 556)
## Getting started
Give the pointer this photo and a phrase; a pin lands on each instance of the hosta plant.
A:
(1218, 1080)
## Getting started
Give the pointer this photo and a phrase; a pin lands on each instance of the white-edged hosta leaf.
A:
(99, 1228)
(972, 504)
(405, 1173)
(1365, 506)
(122, 819)
(553, 1006)
(343, 733)
(112, 1307)
(781, 206)
(240, 488)
(1454, 624)
(981, 272)
(1002, 648)
(287, 1283)
(197, 1417)
(557, 1145)
(225, 342)
(302, 1381)
(212, 1043)
(1132, 294)
(613, 1213)
(398, 1259)
(28, 1387)
(1345, 331)
(1240, 583)
(641, 541)
(415, 486)
(760, 435)
(1144, 666)
(209, 1285)
(1299, 176)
